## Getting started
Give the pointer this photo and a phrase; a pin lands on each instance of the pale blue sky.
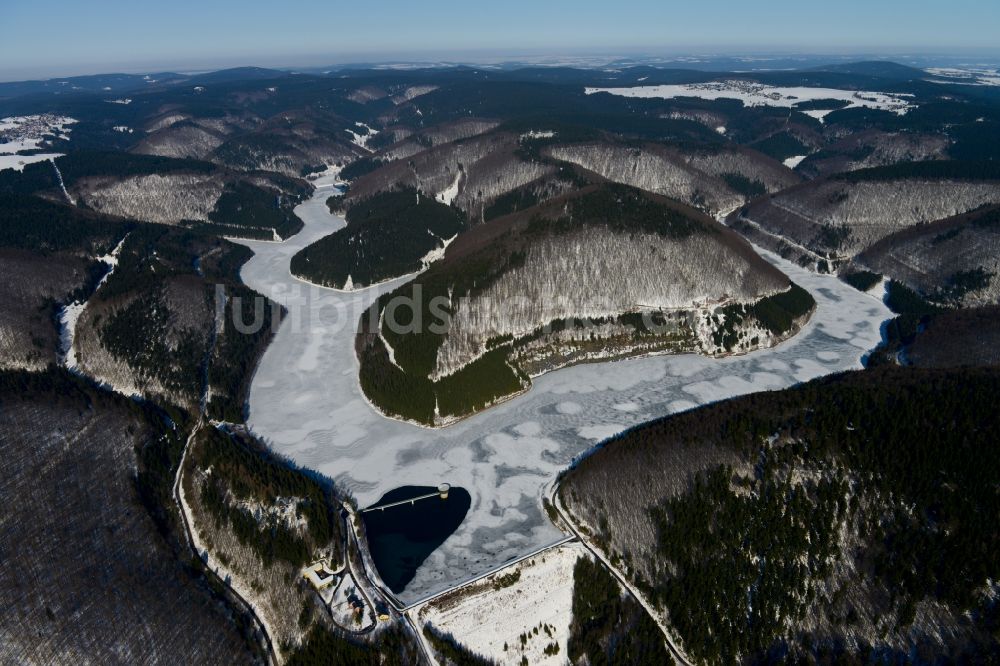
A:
(66, 37)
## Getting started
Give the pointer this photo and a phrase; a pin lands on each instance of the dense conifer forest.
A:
(245, 471)
(391, 647)
(609, 627)
(386, 236)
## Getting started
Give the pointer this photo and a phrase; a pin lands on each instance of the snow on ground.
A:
(362, 139)
(342, 598)
(971, 76)
(68, 318)
(538, 134)
(412, 92)
(793, 162)
(70, 314)
(20, 134)
(17, 162)
(437, 253)
(306, 401)
(448, 195)
(485, 619)
(752, 93)
(818, 114)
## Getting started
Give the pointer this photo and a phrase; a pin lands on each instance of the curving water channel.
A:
(306, 402)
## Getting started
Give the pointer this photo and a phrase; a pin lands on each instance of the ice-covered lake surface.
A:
(306, 402)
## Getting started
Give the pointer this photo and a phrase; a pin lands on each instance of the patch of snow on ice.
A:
(793, 162)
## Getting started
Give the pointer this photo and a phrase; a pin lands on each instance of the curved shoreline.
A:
(306, 400)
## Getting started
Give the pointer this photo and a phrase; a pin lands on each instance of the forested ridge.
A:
(245, 471)
(938, 169)
(156, 313)
(65, 228)
(387, 235)
(411, 385)
(108, 460)
(854, 502)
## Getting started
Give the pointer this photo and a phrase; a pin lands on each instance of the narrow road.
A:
(364, 579)
(675, 651)
(189, 538)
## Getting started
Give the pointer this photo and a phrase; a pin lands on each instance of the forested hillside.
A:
(49, 253)
(714, 179)
(166, 190)
(87, 574)
(826, 222)
(952, 262)
(387, 235)
(257, 523)
(162, 325)
(566, 282)
(846, 518)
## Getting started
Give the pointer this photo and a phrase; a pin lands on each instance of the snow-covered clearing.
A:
(362, 140)
(538, 134)
(486, 617)
(752, 93)
(70, 315)
(18, 162)
(305, 400)
(793, 162)
(448, 195)
(342, 599)
(437, 253)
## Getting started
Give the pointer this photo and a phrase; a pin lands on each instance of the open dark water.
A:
(401, 537)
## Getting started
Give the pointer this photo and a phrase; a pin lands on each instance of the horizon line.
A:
(484, 57)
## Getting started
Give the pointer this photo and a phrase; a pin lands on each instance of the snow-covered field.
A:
(20, 134)
(305, 400)
(973, 76)
(752, 93)
(485, 619)
(793, 162)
